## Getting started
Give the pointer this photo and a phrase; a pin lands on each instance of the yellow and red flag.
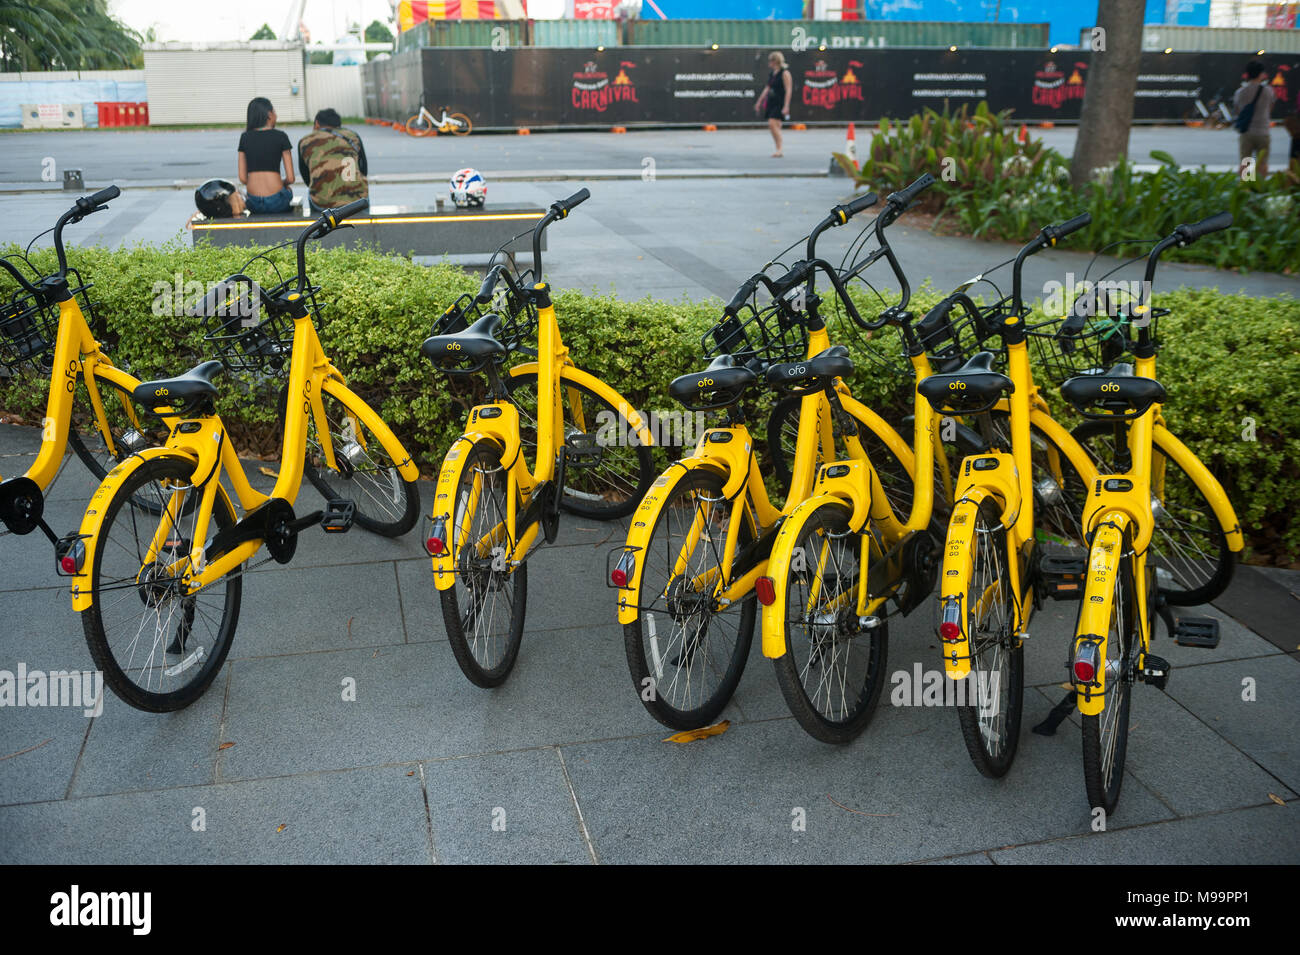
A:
(411, 12)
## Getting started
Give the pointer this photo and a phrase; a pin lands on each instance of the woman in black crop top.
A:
(263, 152)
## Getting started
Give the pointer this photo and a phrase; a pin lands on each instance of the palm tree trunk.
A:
(1112, 80)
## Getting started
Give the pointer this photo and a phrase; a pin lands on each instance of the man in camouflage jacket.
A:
(332, 162)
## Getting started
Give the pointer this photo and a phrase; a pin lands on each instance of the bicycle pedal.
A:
(1155, 671)
(1061, 577)
(1196, 632)
(338, 516)
(581, 449)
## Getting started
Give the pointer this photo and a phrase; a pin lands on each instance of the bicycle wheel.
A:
(833, 668)
(158, 649)
(993, 696)
(686, 674)
(1189, 550)
(1105, 736)
(419, 126)
(606, 484)
(130, 425)
(386, 503)
(459, 124)
(484, 609)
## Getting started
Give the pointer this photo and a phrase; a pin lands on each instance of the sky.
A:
(193, 21)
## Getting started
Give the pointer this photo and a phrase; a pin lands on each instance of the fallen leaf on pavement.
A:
(1277, 799)
(269, 473)
(690, 736)
(225, 746)
(281, 827)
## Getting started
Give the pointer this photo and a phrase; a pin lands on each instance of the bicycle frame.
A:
(204, 440)
(498, 421)
(76, 355)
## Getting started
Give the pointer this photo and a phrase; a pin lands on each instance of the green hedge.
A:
(1226, 358)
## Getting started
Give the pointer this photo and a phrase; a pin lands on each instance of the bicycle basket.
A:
(1067, 348)
(770, 334)
(950, 338)
(29, 330)
(249, 326)
(518, 317)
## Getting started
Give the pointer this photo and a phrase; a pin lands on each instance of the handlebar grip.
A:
(1073, 225)
(489, 285)
(1215, 223)
(843, 213)
(575, 200)
(743, 295)
(351, 209)
(905, 195)
(90, 203)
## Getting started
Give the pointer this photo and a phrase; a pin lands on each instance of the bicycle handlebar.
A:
(19, 277)
(839, 216)
(83, 207)
(1048, 235)
(1215, 223)
(329, 220)
(903, 197)
(560, 209)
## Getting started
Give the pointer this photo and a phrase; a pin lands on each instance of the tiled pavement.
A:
(563, 765)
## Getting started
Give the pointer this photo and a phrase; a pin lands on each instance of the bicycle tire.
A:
(1189, 543)
(477, 577)
(990, 741)
(460, 125)
(418, 126)
(386, 503)
(1104, 755)
(694, 624)
(615, 485)
(830, 716)
(151, 585)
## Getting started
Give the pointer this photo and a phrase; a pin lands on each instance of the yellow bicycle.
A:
(492, 506)
(49, 325)
(706, 538)
(1111, 648)
(159, 589)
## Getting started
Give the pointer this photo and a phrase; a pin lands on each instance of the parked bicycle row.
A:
(973, 508)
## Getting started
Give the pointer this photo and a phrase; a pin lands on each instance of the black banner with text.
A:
(635, 86)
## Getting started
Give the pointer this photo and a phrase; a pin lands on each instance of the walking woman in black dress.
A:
(774, 101)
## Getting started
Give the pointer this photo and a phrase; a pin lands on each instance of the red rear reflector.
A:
(950, 631)
(619, 577)
(1084, 671)
(435, 546)
(765, 587)
(69, 565)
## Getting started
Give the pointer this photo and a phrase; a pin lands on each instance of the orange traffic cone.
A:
(850, 150)
(1024, 133)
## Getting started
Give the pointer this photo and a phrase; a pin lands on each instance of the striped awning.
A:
(411, 12)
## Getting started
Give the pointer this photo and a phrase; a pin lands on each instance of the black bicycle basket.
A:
(250, 327)
(771, 334)
(517, 311)
(1085, 344)
(30, 330)
(952, 338)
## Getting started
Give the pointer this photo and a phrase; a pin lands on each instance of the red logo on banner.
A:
(594, 90)
(593, 9)
(1052, 87)
(825, 88)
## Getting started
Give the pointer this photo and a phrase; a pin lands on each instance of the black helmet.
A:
(213, 198)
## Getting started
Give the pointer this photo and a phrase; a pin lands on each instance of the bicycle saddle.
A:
(833, 362)
(717, 386)
(972, 388)
(1117, 391)
(179, 393)
(477, 344)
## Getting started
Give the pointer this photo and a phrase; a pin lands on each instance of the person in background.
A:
(333, 163)
(263, 152)
(774, 101)
(1252, 141)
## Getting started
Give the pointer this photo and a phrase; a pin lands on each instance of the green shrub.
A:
(992, 185)
(1225, 358)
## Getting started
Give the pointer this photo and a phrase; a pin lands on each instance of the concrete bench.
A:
(404, 230)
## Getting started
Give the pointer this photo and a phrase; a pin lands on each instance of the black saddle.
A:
(811, 373)
(972, 388)
(469, 350)
(182, 393)
(1114, 393)
(719, 385)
